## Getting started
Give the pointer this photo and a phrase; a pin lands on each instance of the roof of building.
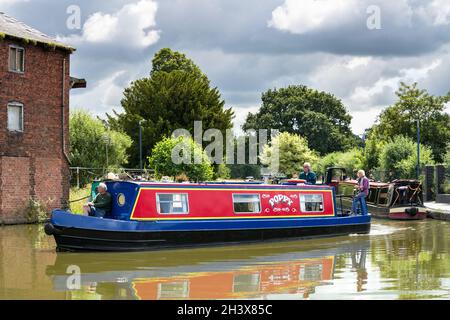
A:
(14, 28)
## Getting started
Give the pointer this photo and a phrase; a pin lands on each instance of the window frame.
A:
(308, 194)
(17, 48)
(171, 213)
(22, 124)
(246, 194)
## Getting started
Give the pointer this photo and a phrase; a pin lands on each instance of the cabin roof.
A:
(222, 185)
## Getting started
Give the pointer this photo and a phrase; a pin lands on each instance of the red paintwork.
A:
(404, 216)
(218, 203)
(283, 277)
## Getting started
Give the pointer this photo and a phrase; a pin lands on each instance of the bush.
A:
(176, 156)
(291, 150)
(399, 158)
(351, 160)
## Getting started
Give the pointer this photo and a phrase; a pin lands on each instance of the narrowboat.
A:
(148, 216)
(397, 200)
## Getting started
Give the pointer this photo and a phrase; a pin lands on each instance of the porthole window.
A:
(121, 199)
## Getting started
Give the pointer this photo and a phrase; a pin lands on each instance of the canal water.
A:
(397, 260)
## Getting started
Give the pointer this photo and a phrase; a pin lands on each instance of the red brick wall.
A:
(40, 90)
(15, 187)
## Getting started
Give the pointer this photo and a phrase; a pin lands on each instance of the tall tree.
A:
(416, 104)
(318, 116)
(175, 95)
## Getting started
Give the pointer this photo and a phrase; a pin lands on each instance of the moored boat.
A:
(147, 216)
(397, 200)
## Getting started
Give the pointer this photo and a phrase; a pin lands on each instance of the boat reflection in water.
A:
(237, 272)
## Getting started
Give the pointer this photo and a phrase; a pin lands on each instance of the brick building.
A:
(34, 110)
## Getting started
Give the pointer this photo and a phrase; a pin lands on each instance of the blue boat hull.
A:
(82, 233)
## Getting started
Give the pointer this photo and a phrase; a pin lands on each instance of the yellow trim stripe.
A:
(180, 217)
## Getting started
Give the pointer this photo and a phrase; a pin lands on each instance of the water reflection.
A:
(398, 260)
(251, 271)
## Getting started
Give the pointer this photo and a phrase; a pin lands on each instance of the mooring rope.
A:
(79, 199)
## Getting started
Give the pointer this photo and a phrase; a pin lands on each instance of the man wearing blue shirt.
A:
(308, 174)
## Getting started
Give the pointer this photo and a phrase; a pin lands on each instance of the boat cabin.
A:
(148, 201)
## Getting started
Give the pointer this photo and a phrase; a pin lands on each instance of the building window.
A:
(172, 203)
(311, 202)
(15, 117)
(16, 59)
(246, 203)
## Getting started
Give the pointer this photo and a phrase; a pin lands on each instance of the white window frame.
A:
(9, 59)
(247, 194)
(311, 194)
(15, 104)
(171, 213)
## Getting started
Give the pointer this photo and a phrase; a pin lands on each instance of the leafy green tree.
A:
(89, 139)
(415, 104)
(175, 95)
(352, 160)
(186, 150)
(318, 116)
(398, 157)
(167, 60)
(447, 155)
(289, 152)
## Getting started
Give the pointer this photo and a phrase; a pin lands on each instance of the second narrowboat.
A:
(397, 200)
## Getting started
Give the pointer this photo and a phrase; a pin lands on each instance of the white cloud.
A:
(307, 15)
(132, 25)
(363, 96)
(436, 12)
(10, 2)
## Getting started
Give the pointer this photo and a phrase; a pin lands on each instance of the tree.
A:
(318, 116)
(167, 60)
(287, 151)
(447, 156)
(89, 139)
(352, 160)
(415, 104)
(186, 150)
(174, 96)
(398, 157)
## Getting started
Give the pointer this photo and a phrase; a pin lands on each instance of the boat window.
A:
(383, 197)
(173, 290)
(246, 203)
(172, 203)
(311, 202)
(246, 282)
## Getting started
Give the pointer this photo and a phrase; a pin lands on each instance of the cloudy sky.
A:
(248, 46)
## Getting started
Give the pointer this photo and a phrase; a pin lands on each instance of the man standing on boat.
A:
(308, 174)
(101, 204)
(363, 192)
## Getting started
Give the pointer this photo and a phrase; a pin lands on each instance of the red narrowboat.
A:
(148, 216)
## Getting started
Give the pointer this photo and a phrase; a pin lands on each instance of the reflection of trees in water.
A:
(415, 258)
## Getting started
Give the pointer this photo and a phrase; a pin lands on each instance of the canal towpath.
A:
(438, 210)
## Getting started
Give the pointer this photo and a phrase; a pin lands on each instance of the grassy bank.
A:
(78, 195)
